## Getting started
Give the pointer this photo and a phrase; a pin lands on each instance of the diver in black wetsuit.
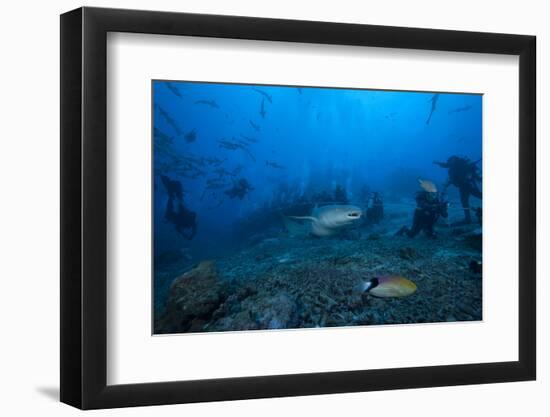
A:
(464, 175)
(173, 187)
(240, 189)
(375, 213)
(429, 208)
(180, 217)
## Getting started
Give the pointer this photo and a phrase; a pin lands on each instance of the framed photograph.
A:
(256, 208)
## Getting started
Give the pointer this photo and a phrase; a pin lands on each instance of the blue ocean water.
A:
(292, 146)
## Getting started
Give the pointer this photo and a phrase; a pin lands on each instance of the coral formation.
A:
(286, 282)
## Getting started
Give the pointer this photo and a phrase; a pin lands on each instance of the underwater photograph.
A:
(292, 207)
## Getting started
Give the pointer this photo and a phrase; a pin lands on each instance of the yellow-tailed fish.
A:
(427, 185)
(389, 286)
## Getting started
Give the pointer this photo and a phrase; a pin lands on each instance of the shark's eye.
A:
(353, 214)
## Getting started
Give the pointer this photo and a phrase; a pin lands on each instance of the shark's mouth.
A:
(354, 214)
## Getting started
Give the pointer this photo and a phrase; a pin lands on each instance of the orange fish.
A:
(389, 286)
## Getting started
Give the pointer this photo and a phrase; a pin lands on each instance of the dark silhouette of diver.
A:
(240, 189)
(180, 217)
(464, 175)
(429, 208)
(173, 187)
(340, 195)
(434, 99)
(375, 213)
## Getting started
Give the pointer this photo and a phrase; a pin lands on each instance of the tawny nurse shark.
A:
(330, 220)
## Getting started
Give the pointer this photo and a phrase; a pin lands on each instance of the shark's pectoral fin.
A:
(295, 228)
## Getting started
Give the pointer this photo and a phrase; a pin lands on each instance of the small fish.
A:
(249, 153)
(210, 103)
(223, 143)
(232, 146)
(254, 126)
(200, 160)
(173, 88)
(192, 176)
(389, 286)
(216, 185)
(191, 136)
(263, 93)
(427, 185)
(161, 136)
(213, 184)
(274, 165)
(434, 99)
(169, 120)
(249, 139)
(460, 109)
(237, 170)
(193, 160)
(215, 161)
(299, 89)
(262, 109)
(222, 172)
(213, 181)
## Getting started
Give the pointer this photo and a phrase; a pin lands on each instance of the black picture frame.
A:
(84, 207)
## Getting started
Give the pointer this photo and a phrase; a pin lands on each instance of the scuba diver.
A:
(430, 206)
(375, 213)
(464, 175)
(180, 217)
(240, 189)
(340, 195)
(173, 187)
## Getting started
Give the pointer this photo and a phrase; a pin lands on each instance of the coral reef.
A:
(287, 282)
(193, 297)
